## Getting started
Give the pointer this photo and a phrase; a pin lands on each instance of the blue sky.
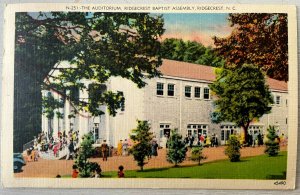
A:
(198, 27)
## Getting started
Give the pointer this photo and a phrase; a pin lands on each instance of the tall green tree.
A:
(257, 38)
(176, 151)
(142, 146)
(241, 95)
(97, 45)
(190, 51)
(272, 145)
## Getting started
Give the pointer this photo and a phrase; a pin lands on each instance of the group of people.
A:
(123, 147)
(46, 143)
(201, 139)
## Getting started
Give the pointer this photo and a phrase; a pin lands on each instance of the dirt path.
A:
(50, 168)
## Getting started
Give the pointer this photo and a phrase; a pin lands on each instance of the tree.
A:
(233, 149)
(197, 154)
(97, 45)
(190, 51)
(272, 145)
(142, 146)
(241, 96)
(86, 150)
(257, 38)
(176, 150)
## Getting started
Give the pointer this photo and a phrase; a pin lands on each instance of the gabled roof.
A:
(204, 73)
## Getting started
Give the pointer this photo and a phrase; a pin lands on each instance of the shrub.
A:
(197, 154)
(272, 145)
(233, 149)
(86, 150)
(176, 151)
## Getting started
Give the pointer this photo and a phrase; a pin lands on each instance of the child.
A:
(98, 172)
(75, 172)
(120, 172)
(36, 154)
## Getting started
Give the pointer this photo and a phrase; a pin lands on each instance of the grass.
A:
(258, 167)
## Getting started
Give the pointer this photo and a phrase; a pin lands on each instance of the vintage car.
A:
(19, 162)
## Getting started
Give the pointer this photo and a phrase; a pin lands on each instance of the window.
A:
(226, 131)
(286, 102)
(74, 94)
(164, 130)
(160, 89)
(195, 130)
(187, 91)
(277, 100)
(197, 92)
(170, 89)
(206, 93)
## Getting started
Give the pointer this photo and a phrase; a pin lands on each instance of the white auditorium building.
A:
(179, 99)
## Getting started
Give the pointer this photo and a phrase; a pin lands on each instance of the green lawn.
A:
(259, 167)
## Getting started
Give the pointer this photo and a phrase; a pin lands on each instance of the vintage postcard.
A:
(149, 96)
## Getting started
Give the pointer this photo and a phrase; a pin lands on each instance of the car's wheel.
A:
(17, 166)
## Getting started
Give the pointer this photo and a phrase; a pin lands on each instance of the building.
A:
(179, 99)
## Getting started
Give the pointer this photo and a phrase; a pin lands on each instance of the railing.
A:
(28, 145)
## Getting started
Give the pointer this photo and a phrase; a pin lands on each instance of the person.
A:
(282, 139)
(186, 140)
(164, 141)
(216, 141)
(154, 147)
(70, 150)
(35, 154)
(104, 150)
(29, 155)
(254, 139)
(191, 140)
(120, 172)
(125, 148)
(120, 148)
(259, 139)
(212, 140)
(202, 139)
(98, 172)
(208, 141)
(250, 138)
(75, 172)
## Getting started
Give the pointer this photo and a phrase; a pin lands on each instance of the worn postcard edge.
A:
(7, 176)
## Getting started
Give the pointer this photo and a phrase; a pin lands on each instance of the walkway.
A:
(50, 168)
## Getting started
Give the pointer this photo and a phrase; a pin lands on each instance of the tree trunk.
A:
(245, 129)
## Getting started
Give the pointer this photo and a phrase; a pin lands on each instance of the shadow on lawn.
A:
(283, 176)
(153, 170)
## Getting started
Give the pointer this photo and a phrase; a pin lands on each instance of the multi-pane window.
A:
(170, 89)
(160, 89)
(254, 129)
(277, 100)
(164, 130)
(206, 93)
(197, 92)
(226, 131)
(187, 91)
(197, 129)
